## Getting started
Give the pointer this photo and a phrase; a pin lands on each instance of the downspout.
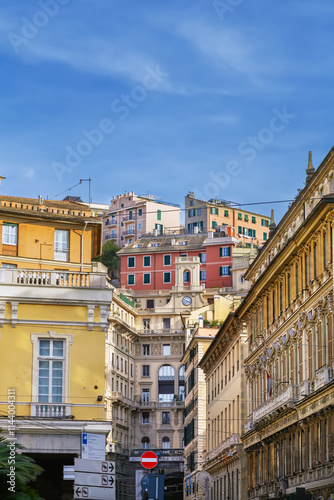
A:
(81, 259)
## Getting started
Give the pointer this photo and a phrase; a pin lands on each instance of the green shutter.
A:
(158, 214)
(217, 211)
(229, 270)
(221, 271)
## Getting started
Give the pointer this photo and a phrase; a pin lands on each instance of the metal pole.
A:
(207, 487)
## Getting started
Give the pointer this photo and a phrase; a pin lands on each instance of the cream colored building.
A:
(226, 408)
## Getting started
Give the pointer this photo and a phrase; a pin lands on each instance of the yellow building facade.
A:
(54, 312)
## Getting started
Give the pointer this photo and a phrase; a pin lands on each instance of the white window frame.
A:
(134, 279)
(224, 268)
(68, 341)
(9, 236)
(140, 226)
(203, 273)
(170, 275)
(225, 251)
(144, 260)
(144, 281)
(61, 253)
(170, 259)
(163, 350)
(134, 261)
(147, 397)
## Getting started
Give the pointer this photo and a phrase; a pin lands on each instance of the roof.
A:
(47, 203)
(194, 242)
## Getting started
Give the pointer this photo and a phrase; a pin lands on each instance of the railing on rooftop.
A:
(127, 300)
(52, 278)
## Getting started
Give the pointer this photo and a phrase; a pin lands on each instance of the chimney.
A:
(40, 200)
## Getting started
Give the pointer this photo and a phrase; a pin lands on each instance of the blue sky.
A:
(222, 98)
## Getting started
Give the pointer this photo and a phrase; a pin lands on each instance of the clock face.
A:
(186, 301)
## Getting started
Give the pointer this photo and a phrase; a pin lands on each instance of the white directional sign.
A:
(94, 466)
(84, 479)
(92, 493)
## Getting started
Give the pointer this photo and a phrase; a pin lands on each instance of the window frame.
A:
(147, 257)
(63, 252)
(134, 262)
(148, 282)
(134, 279)
(164, 277)
(170, 259)
(10, 234)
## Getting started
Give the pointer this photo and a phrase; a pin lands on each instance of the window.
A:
(113, 219)
(131, 261)
(226, 213)
(246, 218)
(150, 304)
(146, 324)
(166, 323)
(145, 443)
(131, 279)
(202, 258)
(166, 383)
(265, 236)
(198, 211)
(239, 216)
(113, 233)
(8, 266)
(182, 372)
(50, 371)
(147, 278)
(165, 417)
(146, 349)
(140, 226)
(165, 443)
(147, 261)
(264, 222)
(140, 212)
(186, 277)
(214, 224)
(158, 214)
(9, 234)
(224, 251)
(253, 220)
(62, 245)
(145, 417)
(166, 350)
(160, 229)
(191, 213)
(167, 260)
(167, 278)
(202, 275)
(145, 395)
(191, 203)
(146, 370)
(224, 271)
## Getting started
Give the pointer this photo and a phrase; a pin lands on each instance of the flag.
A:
(269, 385)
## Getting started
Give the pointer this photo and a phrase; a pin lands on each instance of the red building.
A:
(148, 263)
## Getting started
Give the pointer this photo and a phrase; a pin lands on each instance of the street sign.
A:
(99, 480)
(68, 472)
(93, 446)
(149, 459)
(92, 493)
(94, 466)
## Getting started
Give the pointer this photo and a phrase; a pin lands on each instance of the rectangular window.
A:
(165, 417)
(214, 224)
(147, 261)
(113, 219)
(146, 349)
(146, 324)
(224, 251)
(50, 371)
(140, 212)
(166, 350)
(140, 226)
(147, 278)
(211, 210)
(224, 271)
(239, 216)
(265, 236)
(131, 262)
(166, 323)
(226, 213)
(239, 230)
(253, 220)
(191, 213)
(150, 303)
(145, 417)
(198, 211)
(202, 276)
(246, 218)
(160, 229)
(62, 245)
(167, 260)
(9, 234)
(145, 395)
(158, 214)
(146, 370)
(131, 279)
(167, 278)
(202, 258)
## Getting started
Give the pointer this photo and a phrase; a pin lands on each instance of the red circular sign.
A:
(149, 459)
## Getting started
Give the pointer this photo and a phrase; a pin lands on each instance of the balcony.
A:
(52, 278)
(128, 218)
(323, 376)
(161, 404)
(286, 398)
(50, 410)
(225, 445)
(117, 397)
(128, 233)
(162, 332)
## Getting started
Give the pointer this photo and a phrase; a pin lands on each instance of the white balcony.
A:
(52, 278)
(222, 447)
(323, 376)
(50, 410)
(285, 398)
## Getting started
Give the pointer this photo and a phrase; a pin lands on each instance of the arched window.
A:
(186, 277)
(165, 443)
(181, 382)
(166, 383)
(145, 443)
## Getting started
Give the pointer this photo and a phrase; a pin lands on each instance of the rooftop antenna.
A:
(87, 180)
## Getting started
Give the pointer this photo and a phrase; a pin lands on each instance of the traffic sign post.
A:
(149, 459)
(94, 479)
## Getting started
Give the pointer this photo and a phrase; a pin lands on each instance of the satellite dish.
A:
(204, 479)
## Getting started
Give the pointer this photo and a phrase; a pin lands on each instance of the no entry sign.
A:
(149, 459)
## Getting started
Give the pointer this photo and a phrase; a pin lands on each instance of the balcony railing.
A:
(227, 443)
(162, 404)
(286, 397)
(118, 396)
(52, 278)
(165, 331)
(50, 410)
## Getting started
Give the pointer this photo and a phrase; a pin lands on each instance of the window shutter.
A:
(229, 251)
(220, 252)
(229, 270)
(221, 271)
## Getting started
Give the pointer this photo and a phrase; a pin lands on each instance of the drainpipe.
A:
(81, 259)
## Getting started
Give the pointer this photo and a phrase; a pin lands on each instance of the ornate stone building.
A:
(288, 435)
